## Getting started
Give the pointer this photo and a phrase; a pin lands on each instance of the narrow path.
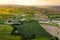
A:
(55, 31)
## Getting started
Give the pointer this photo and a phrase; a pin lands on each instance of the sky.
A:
(31, 2)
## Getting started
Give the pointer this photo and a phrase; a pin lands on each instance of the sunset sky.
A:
(31, 2)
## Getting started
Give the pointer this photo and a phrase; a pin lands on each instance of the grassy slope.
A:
(5, 31)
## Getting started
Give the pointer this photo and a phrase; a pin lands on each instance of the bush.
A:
(53, 38)
(5, 29)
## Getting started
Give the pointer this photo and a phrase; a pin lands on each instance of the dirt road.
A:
(55, 31)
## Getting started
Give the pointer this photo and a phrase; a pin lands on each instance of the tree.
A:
(30, 29)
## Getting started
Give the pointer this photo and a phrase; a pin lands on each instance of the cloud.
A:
(6, 2)
(31, 2)
(48, 2)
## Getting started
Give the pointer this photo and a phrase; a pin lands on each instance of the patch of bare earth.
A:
(55, 31)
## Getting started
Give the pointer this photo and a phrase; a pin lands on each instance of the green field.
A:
(54, 16)
(5, 33)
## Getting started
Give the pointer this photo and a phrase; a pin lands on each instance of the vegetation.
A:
(53, 24)
(54, 16)
(27, 29)
(5, 31)
(33, 29)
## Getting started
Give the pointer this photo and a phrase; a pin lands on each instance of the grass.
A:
(54, 16)
(41, 38)
(9, 37)
(5, 31)
(58, 19)
(51, 24)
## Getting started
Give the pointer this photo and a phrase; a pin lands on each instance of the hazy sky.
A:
(31, 2)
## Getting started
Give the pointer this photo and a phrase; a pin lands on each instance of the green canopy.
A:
(28, 29)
